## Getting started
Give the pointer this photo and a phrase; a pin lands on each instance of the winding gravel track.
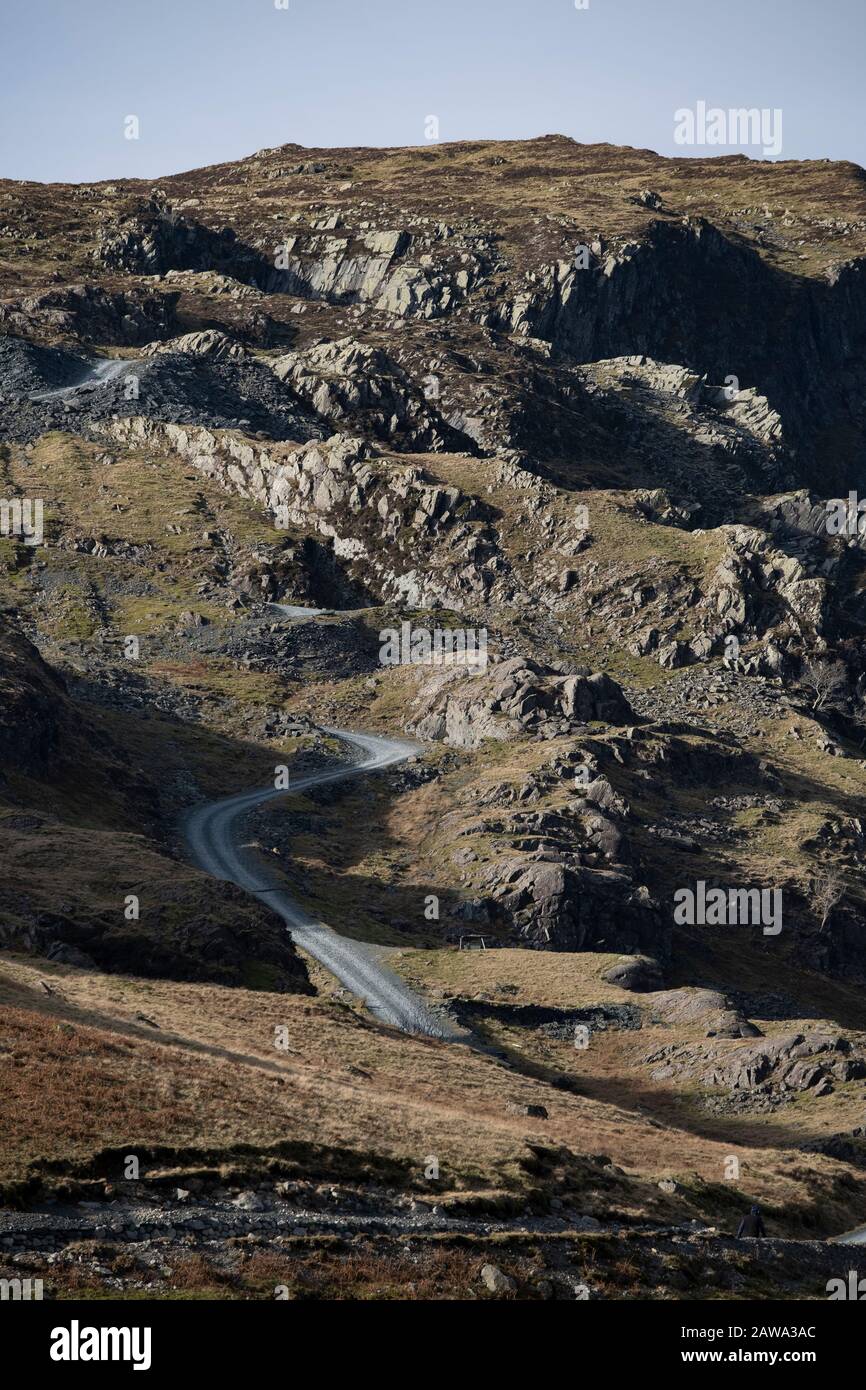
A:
(211, 831)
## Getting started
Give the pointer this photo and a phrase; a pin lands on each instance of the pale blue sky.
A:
(212, 80)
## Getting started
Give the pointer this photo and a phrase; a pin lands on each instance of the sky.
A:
(214, 80)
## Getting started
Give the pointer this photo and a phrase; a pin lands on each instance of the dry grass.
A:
(210, 1078)
(536, 187)
(140, 497)
(550, 979)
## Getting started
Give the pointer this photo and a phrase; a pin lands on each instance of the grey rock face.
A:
(556, 905)
(653, 297)
(348, 379)
(495, 1281)
(90, 313)
(774, 1067)
(516, 696)
(640, 974)
(706, 1007)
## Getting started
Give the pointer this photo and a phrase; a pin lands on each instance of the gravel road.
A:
(212, 832)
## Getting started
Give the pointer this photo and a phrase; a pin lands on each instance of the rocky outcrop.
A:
(686, 292)
(407, 539)
(713, 408)
(374, 267)
(516, 697)
(782, 1063)
(638, 974)
(91, 314)
(708, 1009)
(154, 238)
(349, 379)
(210, 343)
(318, 261)
(557, 906)
(756, 586)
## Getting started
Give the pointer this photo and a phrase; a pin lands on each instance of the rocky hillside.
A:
(91, 876)
(589, 402)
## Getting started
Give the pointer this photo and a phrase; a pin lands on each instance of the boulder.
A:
(493, 1279)
(514, 697)
(640, 974)
(706, 1008)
